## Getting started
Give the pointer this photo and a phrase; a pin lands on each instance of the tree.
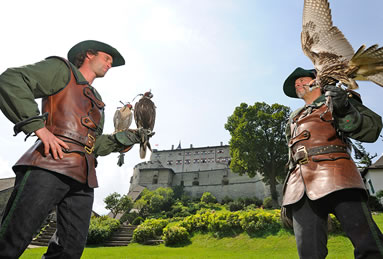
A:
(258, 142)
(118, 205)
(362, 157)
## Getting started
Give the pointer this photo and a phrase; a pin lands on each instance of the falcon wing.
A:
(322, 42)
(116, 119)
(145, 113)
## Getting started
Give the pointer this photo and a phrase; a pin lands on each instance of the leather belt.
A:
(302, 154)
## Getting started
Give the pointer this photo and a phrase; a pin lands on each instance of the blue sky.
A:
(200, 58)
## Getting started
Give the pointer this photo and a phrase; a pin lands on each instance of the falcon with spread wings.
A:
(145, 116)
(332, 55)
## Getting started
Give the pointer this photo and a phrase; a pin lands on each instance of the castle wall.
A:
(199, 170)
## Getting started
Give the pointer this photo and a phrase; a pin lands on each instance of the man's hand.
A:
(339, 99)
(51, 143)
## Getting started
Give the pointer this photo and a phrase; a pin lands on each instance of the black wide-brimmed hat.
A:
(83, 46)
(289, 85)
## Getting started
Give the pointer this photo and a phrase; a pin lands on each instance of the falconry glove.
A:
(128, 138)
(347, 116)
(339, 99)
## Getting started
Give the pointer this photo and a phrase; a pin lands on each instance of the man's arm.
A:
(353, 118)
(19, 87)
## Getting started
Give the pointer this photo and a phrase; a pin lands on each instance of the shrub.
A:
(101, 228)
(175, 235)
(268, 203)
(374, 204)
(207, 197)
(259, 222)
(224, 223)
(137, 221)
(149, 229)
(226, 200)
(235, 206)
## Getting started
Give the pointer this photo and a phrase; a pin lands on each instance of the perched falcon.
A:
(333, 56)
(145, 116)
(123, 117)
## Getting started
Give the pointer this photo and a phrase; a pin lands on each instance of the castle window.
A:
(179, 162)
(155, 179)
(219, 151)
(203, 160)
(196, 161)
(170, 162)
(187, 161)
(195, 182)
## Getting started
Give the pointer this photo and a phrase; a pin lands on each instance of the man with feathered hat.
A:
(58, 171)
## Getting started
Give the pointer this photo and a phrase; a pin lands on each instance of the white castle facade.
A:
(198, 170)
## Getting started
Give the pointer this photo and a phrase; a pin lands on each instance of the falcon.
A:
(331, 53)
(123, 117)
(145, 116)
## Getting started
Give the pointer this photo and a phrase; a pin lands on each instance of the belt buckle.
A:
(304, 160)
(90, 150)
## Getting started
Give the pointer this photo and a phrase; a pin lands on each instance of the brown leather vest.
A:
(74, 114)
(324, 164)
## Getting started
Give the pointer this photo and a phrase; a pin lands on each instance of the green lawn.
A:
(281, 246)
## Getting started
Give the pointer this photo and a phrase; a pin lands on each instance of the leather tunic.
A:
(323, 161)
(74, 114)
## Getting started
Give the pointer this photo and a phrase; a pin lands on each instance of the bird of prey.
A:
(145, 116)
(122, 120)
(332, 55)
(123, 117)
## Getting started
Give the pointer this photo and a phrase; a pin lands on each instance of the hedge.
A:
(150, 229)
(101, 228)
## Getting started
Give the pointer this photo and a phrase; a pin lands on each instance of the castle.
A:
(198, 170)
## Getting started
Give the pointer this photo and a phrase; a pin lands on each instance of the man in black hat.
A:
(58, 171)
(322, 176)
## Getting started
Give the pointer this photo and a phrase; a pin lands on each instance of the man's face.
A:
(302, 86)
(100, 63)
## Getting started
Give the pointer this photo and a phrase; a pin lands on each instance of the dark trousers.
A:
(35, 194)
(350, 208)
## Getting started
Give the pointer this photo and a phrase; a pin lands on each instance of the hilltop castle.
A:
(198, 170)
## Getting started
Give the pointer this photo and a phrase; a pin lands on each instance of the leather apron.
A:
(74, 114)
(323, 161)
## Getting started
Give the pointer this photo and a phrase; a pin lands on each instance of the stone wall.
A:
(199, 170)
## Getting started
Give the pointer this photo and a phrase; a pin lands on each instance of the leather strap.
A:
(302, 154)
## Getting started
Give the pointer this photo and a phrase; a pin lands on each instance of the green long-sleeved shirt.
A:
(19, 87)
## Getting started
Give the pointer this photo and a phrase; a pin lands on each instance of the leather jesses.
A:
(323, 161)
(74, 114)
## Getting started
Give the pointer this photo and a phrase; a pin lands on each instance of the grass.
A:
(281, 245)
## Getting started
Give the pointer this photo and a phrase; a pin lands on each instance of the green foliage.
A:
(137, 221)
(268, 203)
(207, 197)
(117, 204)
(155, 201)
(226, 200)
(101, 228)
(379, 194)
(334, 225)
(258, 142)
(225, 223)
(175, 235)
(235, 206)
(374, 204)
(260, 222)
(128, 217)
(149, 230)
(178, 192)
(362, 157)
